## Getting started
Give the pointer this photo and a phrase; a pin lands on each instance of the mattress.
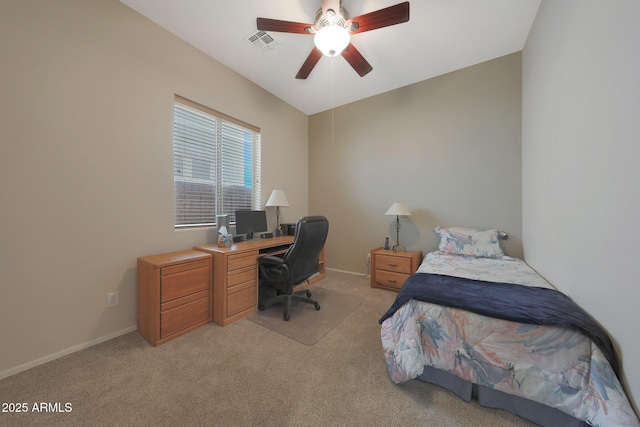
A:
(514, 365)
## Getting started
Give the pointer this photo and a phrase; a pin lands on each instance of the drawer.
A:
(241, 287)
(179, 318)
(245, 274)
(183, 300)
(393, 263)
(235, 262)
(242, 300)
(390, 279)
(184, 283)
(165, 271)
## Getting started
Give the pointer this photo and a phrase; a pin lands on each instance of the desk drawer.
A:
(187, 282)
(244, 299)
(179, 318)
(246, 274)
(393, 263)
(245, 259)
(390, 279)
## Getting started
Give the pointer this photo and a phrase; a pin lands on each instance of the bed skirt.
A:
(524, 408)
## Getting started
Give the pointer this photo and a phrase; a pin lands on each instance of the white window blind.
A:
(216, 165)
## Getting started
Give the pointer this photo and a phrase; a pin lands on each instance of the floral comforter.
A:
(558, 367)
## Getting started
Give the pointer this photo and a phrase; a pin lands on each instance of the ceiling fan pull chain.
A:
(333, 103)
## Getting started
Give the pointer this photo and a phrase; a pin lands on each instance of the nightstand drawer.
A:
(389, 279)
(389, 269)
(393, 263)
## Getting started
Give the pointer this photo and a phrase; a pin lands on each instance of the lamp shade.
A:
(332, 39)
(397, 209)
(277, 198)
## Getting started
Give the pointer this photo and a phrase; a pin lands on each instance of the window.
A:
(216, 165)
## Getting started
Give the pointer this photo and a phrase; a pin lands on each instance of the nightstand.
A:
(389, 269)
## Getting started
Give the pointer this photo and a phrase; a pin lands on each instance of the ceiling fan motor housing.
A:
(331, 18)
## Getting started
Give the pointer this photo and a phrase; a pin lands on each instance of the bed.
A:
(482, 324)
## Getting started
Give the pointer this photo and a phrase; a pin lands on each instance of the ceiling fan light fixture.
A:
(332, 39)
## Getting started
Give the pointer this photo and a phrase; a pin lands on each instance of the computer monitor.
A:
(250, 222)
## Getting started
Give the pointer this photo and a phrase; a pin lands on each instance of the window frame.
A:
(224, 134)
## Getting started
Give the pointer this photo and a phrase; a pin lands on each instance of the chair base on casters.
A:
(287, 299)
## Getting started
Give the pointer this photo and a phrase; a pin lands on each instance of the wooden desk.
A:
(235, 275)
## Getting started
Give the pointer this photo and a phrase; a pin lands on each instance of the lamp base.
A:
(398, 246)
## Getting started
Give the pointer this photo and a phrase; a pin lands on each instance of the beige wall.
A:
(86, 182)
(581, 146)
(447, 148)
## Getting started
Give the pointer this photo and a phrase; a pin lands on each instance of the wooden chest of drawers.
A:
(389, 270)
(174, 294)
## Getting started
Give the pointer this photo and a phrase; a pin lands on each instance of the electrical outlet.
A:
(113, 299)
(368, 258)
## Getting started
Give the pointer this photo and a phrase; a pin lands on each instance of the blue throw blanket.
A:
(523, 304)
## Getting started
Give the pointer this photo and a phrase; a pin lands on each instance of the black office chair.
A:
(297, 265)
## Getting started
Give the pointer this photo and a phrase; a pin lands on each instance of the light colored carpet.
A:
(308, 325)
(244, 375)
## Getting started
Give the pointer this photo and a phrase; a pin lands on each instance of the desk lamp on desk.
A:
(277, 199)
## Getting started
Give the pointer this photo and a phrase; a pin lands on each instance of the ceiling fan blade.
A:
(386, 17)
(330, 4)
(356, 60)
(266, 24)
(309, 63)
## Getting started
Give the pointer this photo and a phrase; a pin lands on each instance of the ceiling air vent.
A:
(262, 41)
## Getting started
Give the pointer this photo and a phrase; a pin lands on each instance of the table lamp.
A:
(277, 199)
(398, 209)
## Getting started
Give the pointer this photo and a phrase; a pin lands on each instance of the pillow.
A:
(476, 242)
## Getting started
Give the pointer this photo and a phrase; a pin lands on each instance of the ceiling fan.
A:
(332, 28)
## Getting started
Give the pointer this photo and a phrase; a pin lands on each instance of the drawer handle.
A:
(393, 265)
(393, 281)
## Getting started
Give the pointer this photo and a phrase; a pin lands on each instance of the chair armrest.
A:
(273, 269)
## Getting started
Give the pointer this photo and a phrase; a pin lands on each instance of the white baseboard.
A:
(59, 354)
(348, 272)
(54, 356)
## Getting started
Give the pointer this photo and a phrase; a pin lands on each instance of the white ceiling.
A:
(441, 36)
